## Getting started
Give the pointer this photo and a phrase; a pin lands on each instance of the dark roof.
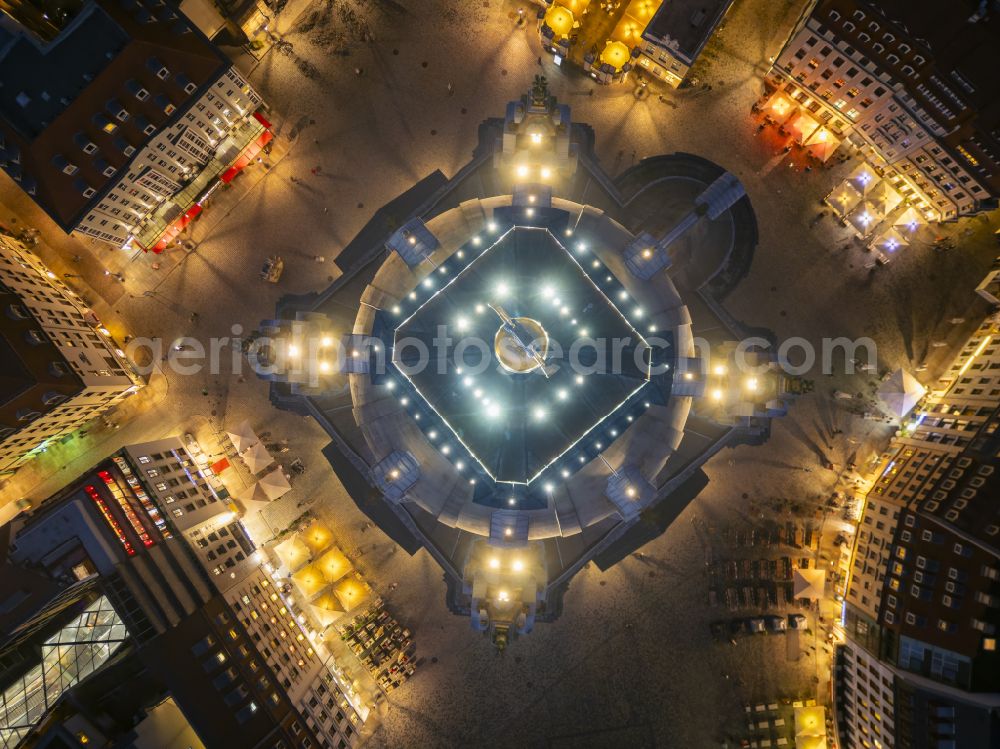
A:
(26, 358)
(89, 73)
(689, 23)
(45, 86)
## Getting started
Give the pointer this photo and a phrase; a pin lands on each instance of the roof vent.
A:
(23, 99)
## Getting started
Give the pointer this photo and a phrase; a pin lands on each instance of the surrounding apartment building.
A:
(910, 82)
(124, 120)
(676, 35)
(60, 367)
(152, 537)
(920, 665)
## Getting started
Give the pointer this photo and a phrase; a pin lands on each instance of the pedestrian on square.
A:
(451, 89)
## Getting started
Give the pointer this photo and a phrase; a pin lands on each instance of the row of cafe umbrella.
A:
(806, 130)
(323, 576)
(257, 459)
(875, 209)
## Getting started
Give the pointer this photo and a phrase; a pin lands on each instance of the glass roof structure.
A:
(68, 657)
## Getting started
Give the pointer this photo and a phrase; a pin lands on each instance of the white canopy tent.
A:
(901, 392)
(256, 457)
(890, 240)
(908, 221)
(863, 178)
(808, 584)
(844, 198)
(274, 484)
(243, 437)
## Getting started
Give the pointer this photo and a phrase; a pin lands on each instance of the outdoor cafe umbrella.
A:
(890, 240)
(253, 499)
(326, 608)
(802, 125)
(885, 198)
(810, 721)
(275, 484)
(822, 144)
(864, 218)
(779, 107)
(863, 178)
(257, 458)
(243, 437)
(908, 221)
(808, 584)
(901, 392)
(844, 198)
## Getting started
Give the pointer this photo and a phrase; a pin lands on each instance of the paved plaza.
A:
(631, 661)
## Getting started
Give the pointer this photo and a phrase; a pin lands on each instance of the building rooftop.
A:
(686, 25)
(519, 428)
(32, 370)
(69, 108)
(45, 87)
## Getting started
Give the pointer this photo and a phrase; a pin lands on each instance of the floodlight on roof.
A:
(494, 563)
(518, 565)
(579, 379)
(562, 394)
(522, 170)
(546, 172)
(502, 289)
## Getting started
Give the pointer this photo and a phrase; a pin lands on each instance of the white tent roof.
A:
(890, 240)
(257, 457)
(253, 499)
(909, 220)
(844, 198)
(275, 484)
(808, 584)
(243, 436)
(885, 198)
(863, 178)
(901, 392)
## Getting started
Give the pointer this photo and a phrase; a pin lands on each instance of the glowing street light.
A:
(494, 563)
(518, 565)
(522, 170)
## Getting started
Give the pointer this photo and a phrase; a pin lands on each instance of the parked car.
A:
(797, 621)
(756, 626)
